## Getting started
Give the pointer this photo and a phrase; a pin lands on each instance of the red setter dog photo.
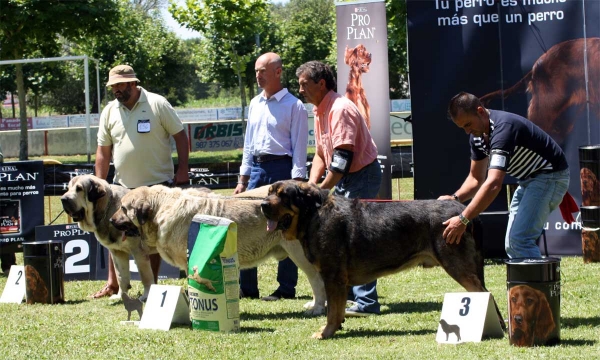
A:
(590, 246)
(359, 59)
(530, 317)
(557, 82)
(590, 188)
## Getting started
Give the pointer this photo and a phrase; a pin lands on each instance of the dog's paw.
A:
(312, 310)
(318, 335)
(115, 296)
(309, 305)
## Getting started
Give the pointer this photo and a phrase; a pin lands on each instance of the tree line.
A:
(233, 34)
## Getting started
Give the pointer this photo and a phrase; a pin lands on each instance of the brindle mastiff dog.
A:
(354, 242)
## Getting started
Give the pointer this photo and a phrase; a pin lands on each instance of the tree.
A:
(28, 25)
(308, 29)
(226, 22)
(162, 62)
(397, 49)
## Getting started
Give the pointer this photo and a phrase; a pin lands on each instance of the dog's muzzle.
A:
(272, 223)
(129, 229)
(68, 207)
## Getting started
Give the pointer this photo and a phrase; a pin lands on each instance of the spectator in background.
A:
(274, 149)
(345, 148)
(135, 131)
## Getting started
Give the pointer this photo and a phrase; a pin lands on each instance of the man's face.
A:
(312, 91)
(122, 91)
(267, 74)
(475, 124)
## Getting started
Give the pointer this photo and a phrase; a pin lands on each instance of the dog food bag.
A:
(213, 274)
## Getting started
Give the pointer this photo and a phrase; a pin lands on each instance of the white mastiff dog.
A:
(162, 216)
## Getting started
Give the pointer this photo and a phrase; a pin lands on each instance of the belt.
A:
(267, 157)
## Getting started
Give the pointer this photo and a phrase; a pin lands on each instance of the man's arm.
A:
(483, 198)
(472, 183)
(299, 140)
(183, 154)
(317, 168)
(103, 156)
(333, 177)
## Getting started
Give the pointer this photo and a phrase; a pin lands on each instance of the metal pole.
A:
(87, 108)
(98, 83)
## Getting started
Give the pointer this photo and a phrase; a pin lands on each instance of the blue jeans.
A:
(363, 184)
(535, 198)
(287, 272)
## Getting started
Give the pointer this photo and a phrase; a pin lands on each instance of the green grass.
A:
(411, 307)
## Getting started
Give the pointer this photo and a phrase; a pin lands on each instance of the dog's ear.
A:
(95, 190)
(347, 54)
(143, 211)
(545, 321)
(309, 195)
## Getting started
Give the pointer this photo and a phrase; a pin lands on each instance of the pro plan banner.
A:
(362, 72)
(21, 202)
(536, 58)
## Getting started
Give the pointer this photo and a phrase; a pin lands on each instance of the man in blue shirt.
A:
(505, 143)
(274, 149)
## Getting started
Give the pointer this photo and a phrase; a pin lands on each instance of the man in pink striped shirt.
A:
(345, 148)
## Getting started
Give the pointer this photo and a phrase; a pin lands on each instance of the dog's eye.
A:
(513, 299)
(529, 301)
(78, 188)
(123, 209)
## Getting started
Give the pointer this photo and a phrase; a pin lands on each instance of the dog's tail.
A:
(521, 85)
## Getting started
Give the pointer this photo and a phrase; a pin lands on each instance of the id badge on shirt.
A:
(143, 126)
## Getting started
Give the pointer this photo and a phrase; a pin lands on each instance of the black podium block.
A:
(44, 272)
(494, 231)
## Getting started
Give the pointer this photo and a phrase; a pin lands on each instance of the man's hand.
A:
(454, 230)
(446, 197)
(182, 176)
(240, 188)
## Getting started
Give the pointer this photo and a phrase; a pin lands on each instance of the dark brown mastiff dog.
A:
(354, 242)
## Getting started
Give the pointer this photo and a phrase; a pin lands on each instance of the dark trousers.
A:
(287, 272)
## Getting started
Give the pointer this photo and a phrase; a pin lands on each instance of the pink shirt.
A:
(338, 122)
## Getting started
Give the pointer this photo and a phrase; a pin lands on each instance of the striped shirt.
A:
(518, 146)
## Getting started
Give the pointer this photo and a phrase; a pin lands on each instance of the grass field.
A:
(411, 306)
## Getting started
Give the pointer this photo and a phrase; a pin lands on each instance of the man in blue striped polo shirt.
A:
(511, 145)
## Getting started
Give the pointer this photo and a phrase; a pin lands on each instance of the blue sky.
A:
(182, 32)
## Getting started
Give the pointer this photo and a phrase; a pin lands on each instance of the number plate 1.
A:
(166, 304)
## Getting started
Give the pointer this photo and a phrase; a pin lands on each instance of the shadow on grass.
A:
(276, 316)
(75, 302)
(578, 342)
(576, 322)
(350, 333)
(412, 307)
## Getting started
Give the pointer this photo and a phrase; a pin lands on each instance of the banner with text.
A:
(362, 69)
(21, 202)
(523, 56)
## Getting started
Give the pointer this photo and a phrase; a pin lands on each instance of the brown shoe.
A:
(107, 290)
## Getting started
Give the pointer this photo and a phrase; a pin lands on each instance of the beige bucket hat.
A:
(121, 74)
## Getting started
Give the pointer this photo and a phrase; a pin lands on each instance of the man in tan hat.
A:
(134, 132)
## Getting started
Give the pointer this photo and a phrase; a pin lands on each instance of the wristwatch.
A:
(463, 219)
(455, 197)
